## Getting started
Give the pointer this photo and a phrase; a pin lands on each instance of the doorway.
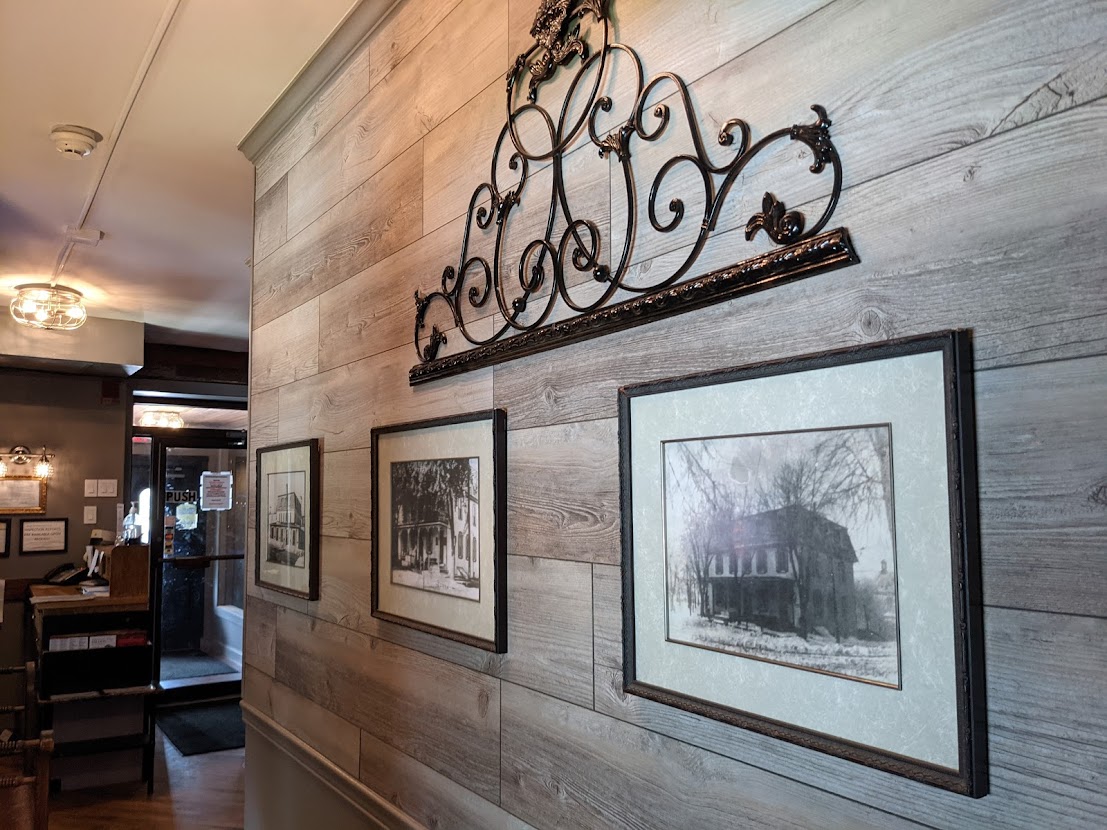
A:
(189, 496)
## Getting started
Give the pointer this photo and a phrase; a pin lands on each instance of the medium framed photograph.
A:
(24, 495)
(5, 538)
(440, 527)
(44, 536)
(801, 555)
(288, 509)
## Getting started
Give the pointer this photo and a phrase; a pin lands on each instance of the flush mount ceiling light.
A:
(163, 418)
(74, 141)
(48, 306)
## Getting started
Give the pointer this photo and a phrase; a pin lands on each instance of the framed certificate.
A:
(22, 495)
(44, 536)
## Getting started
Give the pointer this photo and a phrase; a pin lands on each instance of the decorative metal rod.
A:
(573, 246)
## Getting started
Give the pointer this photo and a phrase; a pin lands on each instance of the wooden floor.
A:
(195, 793)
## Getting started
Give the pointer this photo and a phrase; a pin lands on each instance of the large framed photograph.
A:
(44, 536)
(22, 495)
(288, 510)
(439, 527)
(800, 554)
(5, 538)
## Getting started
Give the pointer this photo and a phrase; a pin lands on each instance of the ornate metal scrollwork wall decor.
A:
(571, 255)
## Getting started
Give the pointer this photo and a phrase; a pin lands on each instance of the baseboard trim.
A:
(381, 814)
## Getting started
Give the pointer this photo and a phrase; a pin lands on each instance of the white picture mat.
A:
(5, 528)
(20, 493)
(42, 536)
(918, 721)
(472, 439)
(283, 461)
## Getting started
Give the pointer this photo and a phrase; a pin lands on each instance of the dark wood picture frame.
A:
(6, 538)
(971, 775)
(497, 425)
(313, 515)
(64, 522)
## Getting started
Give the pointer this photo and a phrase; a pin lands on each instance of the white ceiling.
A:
(175, 202)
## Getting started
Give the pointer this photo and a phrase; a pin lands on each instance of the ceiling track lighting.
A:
(43, 305)
(20, 456)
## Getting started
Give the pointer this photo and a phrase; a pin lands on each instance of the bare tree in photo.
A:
(771, 546)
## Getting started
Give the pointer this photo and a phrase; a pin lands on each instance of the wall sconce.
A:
(20, 456)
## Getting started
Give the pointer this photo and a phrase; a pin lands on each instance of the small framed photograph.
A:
(288, 493)
(5, 537)
(22, 495)
(800, 554)
(44, 536)
(439, 527)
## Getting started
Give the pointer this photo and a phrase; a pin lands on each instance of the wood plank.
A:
(457, 156)
(549, 608)
(870, 64)
(423, 89)
(256, 686)
(287, 348)
(344, 600)
(374, 311)
(1047, 728)
(259, 635)
(344, 404)
(689, 39)
(263, 419)
(568, 767)
(406, 25)
(973, 257)
(379, 217)
(270, 220)
(347, 494)
(337, 97)
(564, 500)
(443, 715)
(607, 620)
(337, 739)
(430, 798)
(1042, 513)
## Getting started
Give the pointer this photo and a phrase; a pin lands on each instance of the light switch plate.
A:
(90, 514)
(107, 487)
(91, 487)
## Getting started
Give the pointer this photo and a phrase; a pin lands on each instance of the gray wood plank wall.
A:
(972, 134)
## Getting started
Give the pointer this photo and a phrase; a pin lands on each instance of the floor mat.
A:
(180, 666)
(195, 730)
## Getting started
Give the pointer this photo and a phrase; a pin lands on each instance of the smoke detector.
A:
(72, 140)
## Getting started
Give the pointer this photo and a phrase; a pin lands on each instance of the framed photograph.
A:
(288, 494)
(5, 538)
(44, 536)
(800, 554)
(24, 495)
(440, 527)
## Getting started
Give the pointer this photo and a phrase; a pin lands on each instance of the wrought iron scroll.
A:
(542, 308)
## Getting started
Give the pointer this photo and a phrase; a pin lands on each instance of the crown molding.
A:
(327, 61)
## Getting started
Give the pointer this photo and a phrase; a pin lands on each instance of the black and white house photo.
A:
(287, 523)
(436, 526)
(780, 547)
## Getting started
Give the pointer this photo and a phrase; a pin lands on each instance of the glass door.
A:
(194, 519)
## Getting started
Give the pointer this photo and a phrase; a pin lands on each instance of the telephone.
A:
(66, 574)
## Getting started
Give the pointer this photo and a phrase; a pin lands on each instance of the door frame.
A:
(161, 441)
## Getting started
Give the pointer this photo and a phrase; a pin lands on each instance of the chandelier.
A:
(48, 306)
